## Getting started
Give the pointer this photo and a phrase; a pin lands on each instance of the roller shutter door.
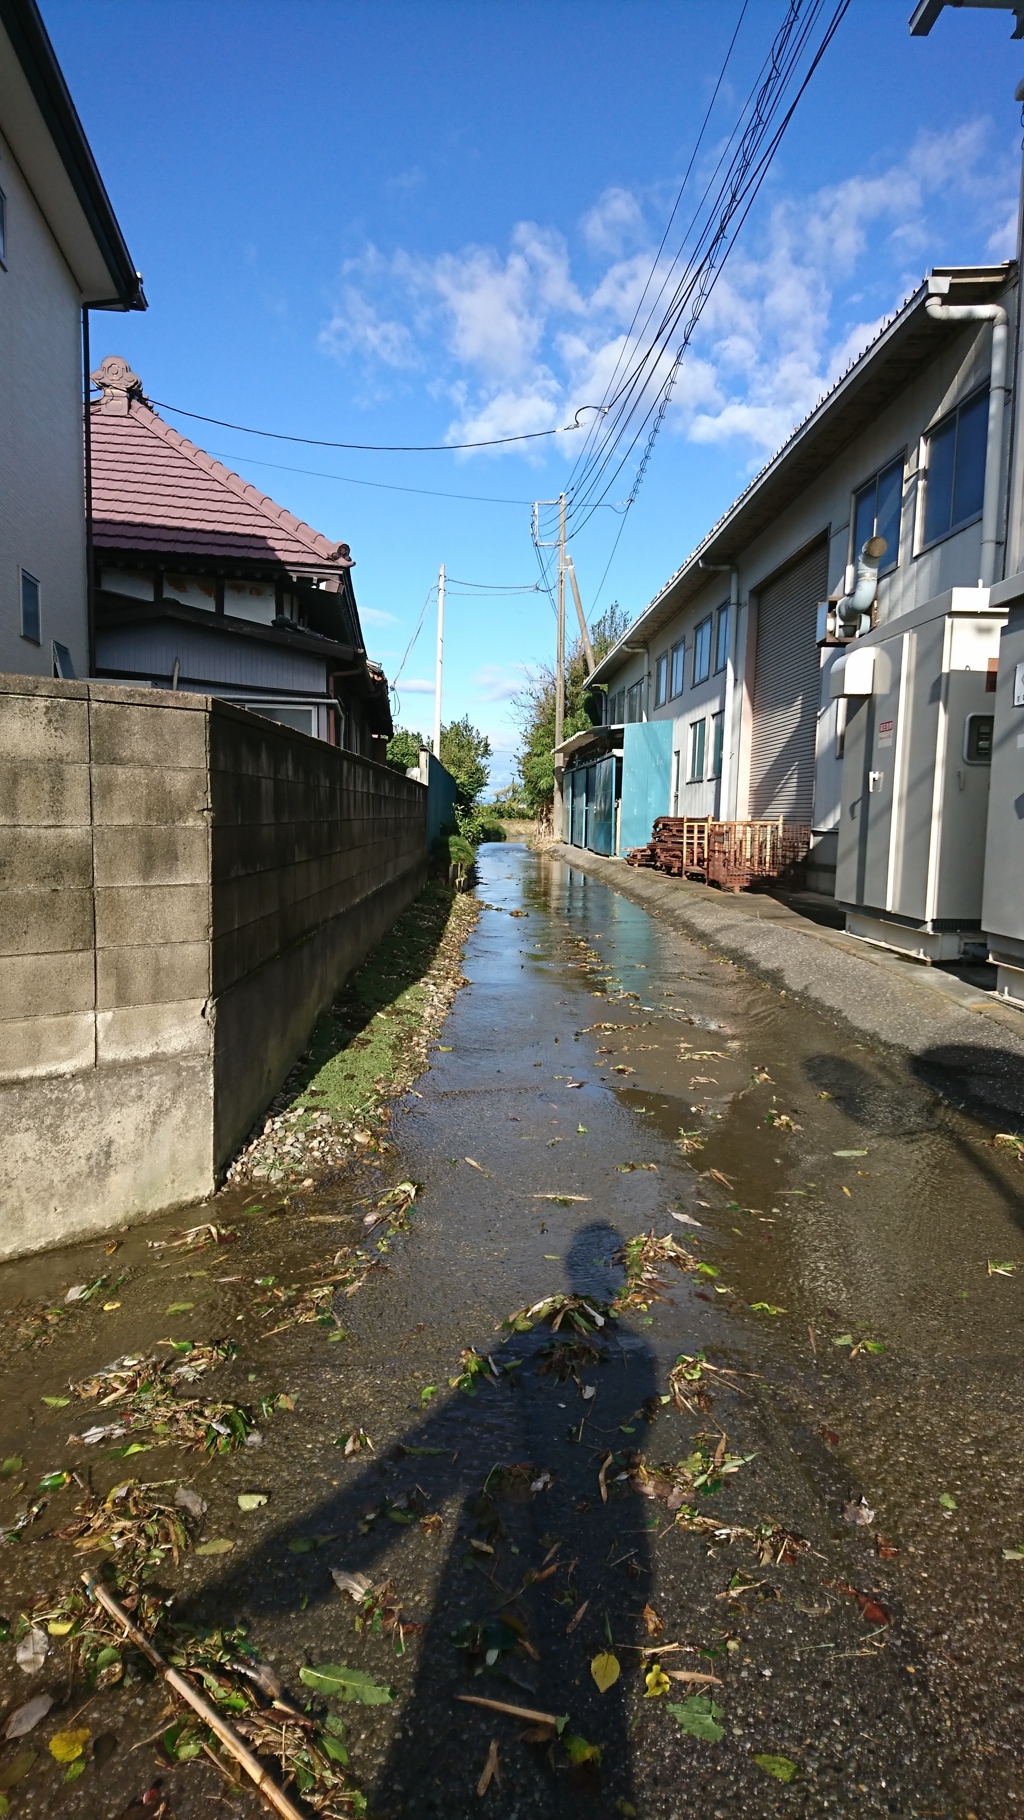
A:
(787, 690)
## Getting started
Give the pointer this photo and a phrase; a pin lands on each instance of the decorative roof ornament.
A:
(118, 386)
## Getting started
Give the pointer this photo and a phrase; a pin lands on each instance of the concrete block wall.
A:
(183, 887)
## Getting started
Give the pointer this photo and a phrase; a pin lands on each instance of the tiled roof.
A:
(152, 489)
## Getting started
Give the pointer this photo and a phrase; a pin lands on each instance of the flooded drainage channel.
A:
(725, 1522)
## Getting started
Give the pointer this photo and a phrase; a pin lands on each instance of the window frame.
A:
(661, 680)
(706, 625)
(722, 627)
(716, 744)
(898, 460)
(933, 430)
(25, 575)
(697, 752)
(3, 229)
(678, 651)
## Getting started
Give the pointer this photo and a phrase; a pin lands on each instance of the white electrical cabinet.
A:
(1002, 912)
(916, 702)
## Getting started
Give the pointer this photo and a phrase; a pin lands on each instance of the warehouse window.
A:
(955, 477)
(30, 614)
(661, 681)
(717, 744)
(678, 667)
(877, 512)
(698, 733)
(722, 639)
(634, 702)
(702, 652)
(616, 708)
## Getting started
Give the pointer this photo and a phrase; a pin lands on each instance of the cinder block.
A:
(35, 1046)
(45, 922)
(154, 975)
(46, 985)
(18, 684)
(34, 795)
(139, 915)
(57, 858)
(135, 1033)
(135, 795)
(150, 734)
(167, 854)
(44, 728)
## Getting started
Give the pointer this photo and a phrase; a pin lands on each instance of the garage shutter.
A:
(787, 690)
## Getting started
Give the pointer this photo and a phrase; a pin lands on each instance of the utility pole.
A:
(440, 663)
(581, 616)
(557, 828)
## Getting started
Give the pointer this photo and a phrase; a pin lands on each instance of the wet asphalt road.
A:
(829, 1186)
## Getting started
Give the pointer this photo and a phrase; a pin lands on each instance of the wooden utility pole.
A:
(440, 662)
(581, 616)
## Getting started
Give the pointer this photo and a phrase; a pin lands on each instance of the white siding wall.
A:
(825, 508)
(42, 503)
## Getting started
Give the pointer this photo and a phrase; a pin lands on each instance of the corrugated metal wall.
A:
(787, 689)
(208, 657)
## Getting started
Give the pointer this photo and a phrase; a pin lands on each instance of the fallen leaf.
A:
(654, 1624)
(220, 1545)
(187, 1499)
(66, 1746)
(605, 1670)
(848, 1153)
(579, 1751)
(656, 1681)
(252, 1500)
(490, 1769)
(180, 1308)
(473, 1165)
(782, 1768)
(885, 1550)
(871, 1611)
(685, 1219)
(347, 1684)
(947, 1501)
(56, 1402)
(16, 1769)
(25, 1718)
(356, 1585)
(858, 1511)
(31, 1651)
(11, 1465)
(698, 1716)
(578, 1618)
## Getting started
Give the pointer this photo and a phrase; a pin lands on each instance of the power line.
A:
(431, 591)
(377, 448)
(484, 499)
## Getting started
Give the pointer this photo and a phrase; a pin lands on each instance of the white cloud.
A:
(498, 682)
(372, 616)
(516, 345)
(414, 685)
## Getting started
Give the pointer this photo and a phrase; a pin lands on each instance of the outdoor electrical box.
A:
(1002, 914)
(916, 710)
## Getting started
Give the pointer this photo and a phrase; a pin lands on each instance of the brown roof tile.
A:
(152, 489)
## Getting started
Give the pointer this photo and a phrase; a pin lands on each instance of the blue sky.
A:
(428, 220)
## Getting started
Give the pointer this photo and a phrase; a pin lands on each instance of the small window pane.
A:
(722, 640)
(717, 743)
(702, 652)
(697, 735)
(969, 471)
(888, 513)
(3, 228)
(864, 516)
(678, 666)
(661, 681)
(30, 607)
(938, 503)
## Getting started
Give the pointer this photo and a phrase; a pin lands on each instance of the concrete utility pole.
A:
(557, 808)
(440, 662)
(581, 616)
(922, 19)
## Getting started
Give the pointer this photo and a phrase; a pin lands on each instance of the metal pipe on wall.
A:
(996, 315)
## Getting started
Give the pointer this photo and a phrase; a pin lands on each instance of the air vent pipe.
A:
(938, 285)
(854, 608)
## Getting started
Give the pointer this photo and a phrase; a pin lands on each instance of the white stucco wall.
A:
(42, 502)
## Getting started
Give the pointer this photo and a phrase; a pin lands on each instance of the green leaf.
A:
(74, 1770)
(782, 1768)
(18, 1767)
(843, 1339)
(252, 1500)
(347, 1684)
(219, 1545)
(841, 1153)
(54, 1481)
(872, 1346)
(947, 1501)
(699, 1717)
(579, 1751)
(334, 1749)
(11, 1465)
(181, 1743)
(181, 1308)
(56, 1402)
(1013, 1554)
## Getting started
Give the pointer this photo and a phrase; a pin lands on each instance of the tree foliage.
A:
(404, 750)
(535, 709)
(464, 750)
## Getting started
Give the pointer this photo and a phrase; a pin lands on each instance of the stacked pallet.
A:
(733, 855)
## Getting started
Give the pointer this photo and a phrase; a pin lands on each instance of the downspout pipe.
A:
(996, 315)
(728, 706)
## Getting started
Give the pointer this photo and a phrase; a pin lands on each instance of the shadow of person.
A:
(541, 1573)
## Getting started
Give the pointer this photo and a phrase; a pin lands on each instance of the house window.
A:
(30, 615)
(955, 477)
(678, 667)
(877, 511)
(698, 731)
(721, 639)
(616, 708)
(634, 701)
(702, 652)
(661, 681)
(3, 229)
(717, 743)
